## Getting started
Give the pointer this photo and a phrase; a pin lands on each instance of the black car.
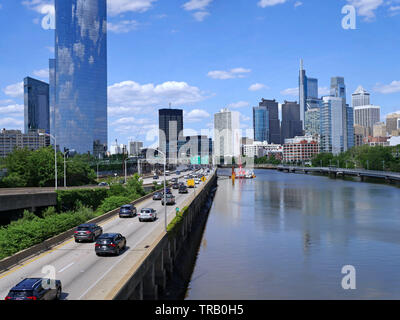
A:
(156, 177)
(183, 189)
(36, 289)
(157, 196)
(167, 190)
(87, 232)
(127, 210)
(175, 186)
(110, 243)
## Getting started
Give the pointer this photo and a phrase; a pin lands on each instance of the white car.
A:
(197, 181)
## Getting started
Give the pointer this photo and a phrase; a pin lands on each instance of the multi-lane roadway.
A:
(83, 274)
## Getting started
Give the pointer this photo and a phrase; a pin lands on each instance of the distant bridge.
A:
(362, 173)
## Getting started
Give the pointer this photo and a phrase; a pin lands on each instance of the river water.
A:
(288, 236)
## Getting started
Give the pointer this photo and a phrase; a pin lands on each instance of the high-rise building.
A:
(171, 132)
(313, 121)
(80, 110)
(198, 149)
(360, 133)
(261, 124)
(367, 116)
(36, 105)
(227, 135)
(360, 97)
(135, 148)
(392, 124)
(379, 129)
(308, 92)
(291, 123)
(52, 94)
(338, 88)
(272, 127)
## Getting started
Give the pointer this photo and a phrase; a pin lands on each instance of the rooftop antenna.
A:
(170, 105)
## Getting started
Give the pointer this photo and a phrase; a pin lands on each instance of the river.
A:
(288, 236)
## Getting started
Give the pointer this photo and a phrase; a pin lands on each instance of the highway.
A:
(83, 274)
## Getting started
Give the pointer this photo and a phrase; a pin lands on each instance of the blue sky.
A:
(203, 55)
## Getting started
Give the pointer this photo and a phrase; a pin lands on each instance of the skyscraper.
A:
(367, 116)
(392, 124)
(338, 88)
(36, 105)
(227, 135)
(308, 92)
(360, 97)
(80, 109)
(291, 124)
(261, 124)
(273, 129)
(313, 122)
(170, 132)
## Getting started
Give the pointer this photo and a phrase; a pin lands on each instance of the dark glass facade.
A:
(171, 131)
(261, 124)
(274, 124)
(80, 113)
(291, 124)
(36, 105)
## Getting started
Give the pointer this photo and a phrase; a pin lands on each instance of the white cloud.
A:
(257, 87)
(42, 73)
(231, 74)
(15, 90)
(11, 123)
(324, 91)
(195, 115)
(298, 4)
(200, 6)
(237, 105)
(366, 8)
(12, 109)
(131, 97)
(393, 87)
(122, 26)
(269, 3)
(290, 92)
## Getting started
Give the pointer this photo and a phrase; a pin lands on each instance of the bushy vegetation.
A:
(67, 200)
(27, 168)
(267, 160)
(112, 203)
(173, 227)
(32, 230)
(364, 157)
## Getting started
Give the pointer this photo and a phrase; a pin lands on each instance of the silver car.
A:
(147, 214)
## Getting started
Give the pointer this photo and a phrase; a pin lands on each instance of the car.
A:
(177, 173)
(170, 200)
(87, 232)
(127, 210)
(156, 177)
(197, 181)
(174, 180)
(36, 289)
(175, 186)
(157, 196)
(147, 214)
(183, 189)
(103, 184)
(110, 243)
(167, 190)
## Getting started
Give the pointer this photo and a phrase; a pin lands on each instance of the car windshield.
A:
(146, 211)
(20, 293)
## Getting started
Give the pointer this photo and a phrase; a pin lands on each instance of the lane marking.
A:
(65, 268)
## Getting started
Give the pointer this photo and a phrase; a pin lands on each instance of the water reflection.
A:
(287, 236)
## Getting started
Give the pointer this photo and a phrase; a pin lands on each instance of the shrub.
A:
(113, 203)
(67, 200)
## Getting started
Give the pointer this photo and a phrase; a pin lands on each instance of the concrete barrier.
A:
(24, 255)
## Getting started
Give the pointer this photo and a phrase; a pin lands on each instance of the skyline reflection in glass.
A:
(80, 113)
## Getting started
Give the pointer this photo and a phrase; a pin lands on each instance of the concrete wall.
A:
(150, 279)
(11, 202)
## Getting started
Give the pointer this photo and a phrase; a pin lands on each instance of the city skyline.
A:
(141, 76)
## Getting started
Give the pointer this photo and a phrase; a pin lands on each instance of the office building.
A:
(197, 148)
(259, 149)
(367, 116)
(291, 124)
(227, 136)
(393, 124)
(313, 122)
(266, 122)
(80, 109)
(300, 149)
(15, 139)
(360, 97)
(171, 132)
(308, 92)
(379, 130)
(36, 105)
(52, 94)
(377, 141)
(135, 148)
(360, 133)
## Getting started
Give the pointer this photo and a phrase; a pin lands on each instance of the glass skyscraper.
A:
(291, 125)
(36, 105)
(273, 129)
(80, 107)
(261, 124)
(308, 92)
(171, 132)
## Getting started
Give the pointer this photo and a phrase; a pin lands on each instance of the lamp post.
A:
(55, 154)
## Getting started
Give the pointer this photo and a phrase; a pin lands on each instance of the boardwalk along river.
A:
(288, 236)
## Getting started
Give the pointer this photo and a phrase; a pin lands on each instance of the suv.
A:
(157, 196)
(170, 200)
(148, 214)
(127, 210)
(87, 232)
(36, 289)
(175, 186)
(183, 189)
(110, 243)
